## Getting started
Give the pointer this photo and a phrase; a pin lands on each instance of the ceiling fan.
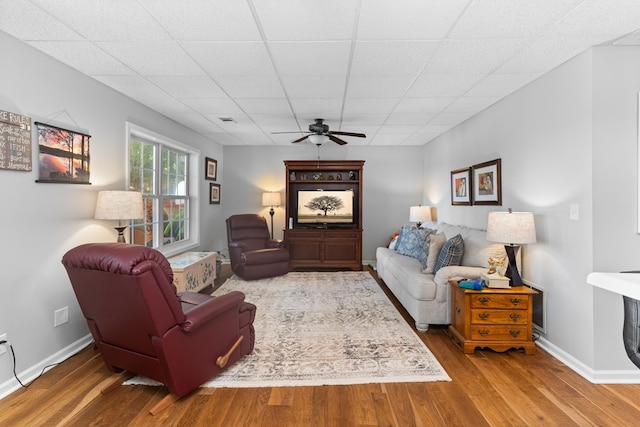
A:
(319, 132)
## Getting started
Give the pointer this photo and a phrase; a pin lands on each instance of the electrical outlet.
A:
(3, 347)
(60, 316)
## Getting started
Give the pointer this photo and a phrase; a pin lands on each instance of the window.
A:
(162, 170)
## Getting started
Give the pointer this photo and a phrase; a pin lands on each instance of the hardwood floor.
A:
(487, 389)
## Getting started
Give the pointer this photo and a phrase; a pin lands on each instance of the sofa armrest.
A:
(274, 243)
(443, 276)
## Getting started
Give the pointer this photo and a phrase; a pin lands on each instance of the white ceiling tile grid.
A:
(402, 72)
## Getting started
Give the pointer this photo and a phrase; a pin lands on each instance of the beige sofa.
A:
(426, 296)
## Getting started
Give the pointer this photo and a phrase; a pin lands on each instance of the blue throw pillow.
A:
(451, 253)
(411, 242)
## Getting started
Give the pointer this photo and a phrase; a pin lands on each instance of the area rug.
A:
(325, 328)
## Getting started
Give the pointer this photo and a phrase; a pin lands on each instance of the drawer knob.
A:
(515, 317)
(483, 332)
(484, 300)
(514, 333)
(515, 301)
(483, 316)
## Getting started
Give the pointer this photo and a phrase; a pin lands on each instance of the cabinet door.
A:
(458, 303)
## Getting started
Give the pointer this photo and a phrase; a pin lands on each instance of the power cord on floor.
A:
(13, 355)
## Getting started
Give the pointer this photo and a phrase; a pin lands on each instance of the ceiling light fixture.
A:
(318, 139)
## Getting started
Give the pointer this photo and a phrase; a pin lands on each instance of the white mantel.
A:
(627, 284)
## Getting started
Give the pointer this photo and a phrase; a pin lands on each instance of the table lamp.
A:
(120, 206)
(271, 199)
(419, 214)
(512, 229)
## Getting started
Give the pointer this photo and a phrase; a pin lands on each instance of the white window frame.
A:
(193, 185)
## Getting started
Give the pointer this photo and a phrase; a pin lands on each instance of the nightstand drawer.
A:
(499, 333)
(520, 302)
(498, 317)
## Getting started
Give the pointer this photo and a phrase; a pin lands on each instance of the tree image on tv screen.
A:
(325, 204)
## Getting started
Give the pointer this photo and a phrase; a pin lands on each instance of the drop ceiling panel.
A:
(423, 105)
(250, 86)
(135, 87)
(371, 105)
(264, 105)
(85, 57)
(604, 18)
(153, 58)
(112, 20)
(443, 85)
(317, 107)
(472, 56)
(377, 86)
(314, 86)
(392, 57)
(409, 19)
(222, 106)
(205, 20)
(229, 59)
(500, 85)
(497, 19)
(189, 86)
(471, 104)
(308, 58)
(307, 20)
(27, 22)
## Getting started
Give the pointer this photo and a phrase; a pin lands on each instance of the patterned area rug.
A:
(325, 328)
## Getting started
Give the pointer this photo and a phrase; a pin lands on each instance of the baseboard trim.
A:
(592, 375)
(28, 375)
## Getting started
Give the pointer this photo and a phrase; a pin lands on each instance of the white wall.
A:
(615, 189)
(567, 138)
(392, 183)
(42, 221)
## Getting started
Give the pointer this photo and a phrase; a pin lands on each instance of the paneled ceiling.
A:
(400, 71)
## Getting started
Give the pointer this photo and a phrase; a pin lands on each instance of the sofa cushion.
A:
(478, 249)
(451, 253)
(434, 244)
(411, 242)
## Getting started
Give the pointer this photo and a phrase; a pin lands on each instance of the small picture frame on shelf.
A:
(214, 194)
(210, 169)
(487, 183)
(460, 187)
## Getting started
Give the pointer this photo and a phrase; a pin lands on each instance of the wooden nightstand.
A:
(499, 319)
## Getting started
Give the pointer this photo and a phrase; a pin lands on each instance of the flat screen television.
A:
(326, 208)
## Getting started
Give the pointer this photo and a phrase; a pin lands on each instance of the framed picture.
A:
(214, 194)
(64, 155)
(461, 187)
(210, 169)
(487, 183)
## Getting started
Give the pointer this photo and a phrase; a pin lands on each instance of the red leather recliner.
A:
(254, 255)
(141, 325)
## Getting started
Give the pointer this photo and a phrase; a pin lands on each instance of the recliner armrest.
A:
(203, 313)
(274, 243)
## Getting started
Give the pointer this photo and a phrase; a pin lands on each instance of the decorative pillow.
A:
(411, 242)
(451, 253)
(433, 246)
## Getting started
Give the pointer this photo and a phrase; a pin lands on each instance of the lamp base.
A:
(512, 268)
(120, 230)
(271, 212)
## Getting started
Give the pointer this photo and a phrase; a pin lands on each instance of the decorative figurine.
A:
(496, 266)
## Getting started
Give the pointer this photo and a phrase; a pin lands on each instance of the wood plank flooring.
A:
(487, 389)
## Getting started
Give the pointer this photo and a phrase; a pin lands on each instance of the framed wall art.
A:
(64, 155)
(214, 194)
(487, 183)
(211, 169)
(461, 187)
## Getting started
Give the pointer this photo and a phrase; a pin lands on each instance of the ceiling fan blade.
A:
(300, 139)
(336, 139)
(337, 132)
(274, 133)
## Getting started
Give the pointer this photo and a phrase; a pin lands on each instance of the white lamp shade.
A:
(318, 139)
(271, 199)
(511, 227)
(420, 213)
(119, 205)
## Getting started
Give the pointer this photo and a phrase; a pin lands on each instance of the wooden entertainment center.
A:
(330, 238)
